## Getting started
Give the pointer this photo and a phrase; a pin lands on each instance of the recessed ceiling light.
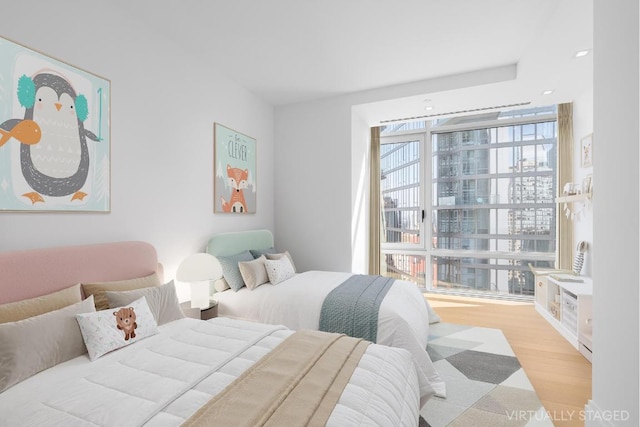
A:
(428, 108)
(581, 53)
(547, 92)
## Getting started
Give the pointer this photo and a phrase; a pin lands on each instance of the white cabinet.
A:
(565, 300)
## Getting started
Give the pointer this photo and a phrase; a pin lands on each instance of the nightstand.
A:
(197, 313)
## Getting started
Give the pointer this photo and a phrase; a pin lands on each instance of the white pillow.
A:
(279, 270)
(221, 285)
(162, 301)
(280, 255)
(433, 316)
(253, 272)
(34, 344)
(108, 330)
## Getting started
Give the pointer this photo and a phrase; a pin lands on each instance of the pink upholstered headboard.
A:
(30, 273)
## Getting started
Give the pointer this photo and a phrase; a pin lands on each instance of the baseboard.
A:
(594, 416)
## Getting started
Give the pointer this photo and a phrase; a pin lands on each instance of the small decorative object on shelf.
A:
(586, 151)
(579, 261)
(587, 185)
(569, 189)
(576, 198)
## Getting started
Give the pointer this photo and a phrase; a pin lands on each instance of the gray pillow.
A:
(231, 271)
(162, 301)
(97, 288)
(34, 344)
(257, 253)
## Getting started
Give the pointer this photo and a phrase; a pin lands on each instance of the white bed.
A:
(165, 378)
(403, 317)
(162, 380)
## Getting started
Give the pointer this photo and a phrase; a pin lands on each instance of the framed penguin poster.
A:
(234, 164)
(54, 134)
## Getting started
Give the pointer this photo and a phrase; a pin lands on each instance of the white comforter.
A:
(403, 319)
(162, 380)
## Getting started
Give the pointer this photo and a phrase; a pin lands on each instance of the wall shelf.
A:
(573, 198)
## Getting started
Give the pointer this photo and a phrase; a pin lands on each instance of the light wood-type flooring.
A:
(560, 375)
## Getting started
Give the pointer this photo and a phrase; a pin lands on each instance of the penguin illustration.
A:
(57, 164)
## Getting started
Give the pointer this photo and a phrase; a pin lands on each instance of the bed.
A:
(298, 302)
(174, 370)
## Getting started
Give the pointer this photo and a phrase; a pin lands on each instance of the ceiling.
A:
(291, 51)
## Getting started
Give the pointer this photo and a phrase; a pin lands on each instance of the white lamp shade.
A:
(199, 269)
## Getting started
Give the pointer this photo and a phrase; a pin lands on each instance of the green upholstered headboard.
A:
(230, 243)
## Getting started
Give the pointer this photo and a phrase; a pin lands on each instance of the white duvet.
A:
(162, 380)
(403, 319)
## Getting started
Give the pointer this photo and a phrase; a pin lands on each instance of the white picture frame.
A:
(586, 151)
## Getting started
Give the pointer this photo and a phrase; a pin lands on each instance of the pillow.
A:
(14, 311)
(162, 300)
(433, 316)
(230, 269)
(34, 344)
(279, 270)
(108, 330)
(97, 289)
(257, 253)
(220, 285)
(280, 255)
(253, 272)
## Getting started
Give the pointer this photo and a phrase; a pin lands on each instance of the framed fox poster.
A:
(54, 134)
(234, 164)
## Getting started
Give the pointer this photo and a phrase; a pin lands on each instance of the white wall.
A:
(313, 182)
(615, 211)
(321, 162)
(163, 106)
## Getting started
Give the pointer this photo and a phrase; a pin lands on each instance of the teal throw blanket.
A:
(352, 308)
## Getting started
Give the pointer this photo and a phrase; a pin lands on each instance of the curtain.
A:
(374, 203)
(565, 174)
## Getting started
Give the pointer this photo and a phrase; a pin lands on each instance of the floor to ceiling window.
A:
(468, 202)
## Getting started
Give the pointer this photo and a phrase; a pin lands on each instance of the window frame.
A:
(425, 247)
(399, 137)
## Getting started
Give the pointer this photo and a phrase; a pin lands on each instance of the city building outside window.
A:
(469, 202)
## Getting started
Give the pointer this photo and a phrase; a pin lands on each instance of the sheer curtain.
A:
(374, 203)
(565, 174)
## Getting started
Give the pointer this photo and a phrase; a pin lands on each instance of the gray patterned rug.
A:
(486, 386)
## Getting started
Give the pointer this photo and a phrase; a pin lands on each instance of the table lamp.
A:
(199, 269)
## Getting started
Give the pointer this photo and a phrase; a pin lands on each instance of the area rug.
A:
(486, 386)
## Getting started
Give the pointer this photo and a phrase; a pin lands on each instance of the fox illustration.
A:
(238, 182)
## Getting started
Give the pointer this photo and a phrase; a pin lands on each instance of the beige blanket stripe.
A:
(315, 397)
(306, 359)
